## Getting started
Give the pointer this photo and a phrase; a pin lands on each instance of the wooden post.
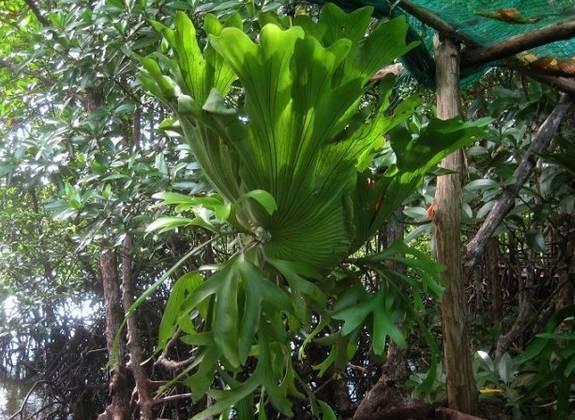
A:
(461, 390)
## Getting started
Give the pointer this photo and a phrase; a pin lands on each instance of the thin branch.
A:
(166, 362)
(127, 91)
(173, 340)
(34, 415)
(394, 69)
(564, 84)
(27, 397)
(172, 398)
(34, 8)
(173, 364)
(516, 44)
(505, 203)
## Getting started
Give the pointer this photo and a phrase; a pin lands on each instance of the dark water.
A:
(12, 394)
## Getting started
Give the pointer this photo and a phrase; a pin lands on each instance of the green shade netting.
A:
(479, 20)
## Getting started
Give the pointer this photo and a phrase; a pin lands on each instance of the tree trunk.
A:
(491, 262)
(461, 390)
(564, 251)
(119, 389)
(395, 367)
(527, 313)
(145, 398)
(395, 370)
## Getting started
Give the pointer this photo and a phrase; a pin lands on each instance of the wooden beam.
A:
(564, 84)
(519, 43)
(431, 19)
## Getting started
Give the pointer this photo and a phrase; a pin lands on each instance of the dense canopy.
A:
(270, 209)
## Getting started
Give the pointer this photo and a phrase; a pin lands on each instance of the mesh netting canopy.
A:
(485, 23)
(491, 21)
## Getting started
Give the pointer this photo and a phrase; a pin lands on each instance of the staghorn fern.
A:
(293, 162)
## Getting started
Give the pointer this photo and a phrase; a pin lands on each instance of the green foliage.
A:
(302, 157)
(551, 355)
(79, 162)
(540, 377)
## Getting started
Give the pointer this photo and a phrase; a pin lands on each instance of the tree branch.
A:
(34, 8)
(516, 44)
(449, 414)
(172, 398)
(28, 395)
(563, 84)
(164, 361)
(505, 203)
(431, 19)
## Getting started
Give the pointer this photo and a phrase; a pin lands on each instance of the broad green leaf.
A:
(485, 360)
(327, 412)
(418, 231)
(384, 325)
(216, 104)
(418, 213)
(380, 307)
(504, 368)
(570, 368)
(339, 24)
(201, 380)
(355, 316)
(264, 198)
(485, 209)
(185, 202)
(381, 48)
(435, 141)
(164, 224)
(199, 339)
(481, 184)
(229, 398)
(294, 272)
(245, 408)
(184, 286)
(557, 336)
(226, 322)
(536, 240)
(173, 198)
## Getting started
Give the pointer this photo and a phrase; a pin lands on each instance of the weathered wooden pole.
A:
(461, 390)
